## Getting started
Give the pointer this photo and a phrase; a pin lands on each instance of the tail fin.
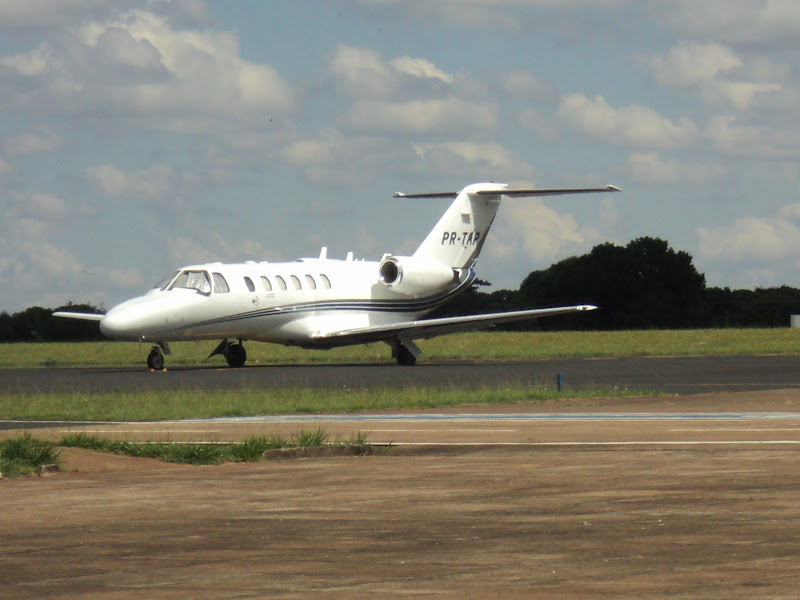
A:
(458, 237)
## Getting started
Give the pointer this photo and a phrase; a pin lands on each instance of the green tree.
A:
(645, 284)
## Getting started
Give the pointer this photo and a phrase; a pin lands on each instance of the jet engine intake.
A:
(409, 275)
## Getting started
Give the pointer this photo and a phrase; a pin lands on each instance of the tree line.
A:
(37, 324)
(643, 285)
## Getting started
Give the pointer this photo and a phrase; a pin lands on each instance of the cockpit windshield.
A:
(193, 280)
(163, 283)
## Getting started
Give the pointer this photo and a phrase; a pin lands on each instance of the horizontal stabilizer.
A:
(517, 193)
(552, 192)
(428, 328)
(78, 315)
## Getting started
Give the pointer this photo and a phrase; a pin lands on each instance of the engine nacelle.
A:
(408, 275)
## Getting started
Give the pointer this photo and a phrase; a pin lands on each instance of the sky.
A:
(139, 136)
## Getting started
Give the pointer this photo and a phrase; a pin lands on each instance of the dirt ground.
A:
(710, 520)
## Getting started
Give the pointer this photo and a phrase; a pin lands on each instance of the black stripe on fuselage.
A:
(382, 306)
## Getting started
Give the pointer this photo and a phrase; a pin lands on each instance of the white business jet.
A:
(322, 302)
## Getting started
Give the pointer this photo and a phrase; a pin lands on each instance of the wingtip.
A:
(399, 195)
(586, 307)
(613, 188)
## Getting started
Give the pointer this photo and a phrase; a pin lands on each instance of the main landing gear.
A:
(233, 352)
(405, 352)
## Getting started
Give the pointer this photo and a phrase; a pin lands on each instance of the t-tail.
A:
(458, 237)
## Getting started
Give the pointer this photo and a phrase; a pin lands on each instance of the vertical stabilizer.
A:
(458, 237)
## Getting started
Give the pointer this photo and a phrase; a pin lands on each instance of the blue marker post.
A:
(560, 380)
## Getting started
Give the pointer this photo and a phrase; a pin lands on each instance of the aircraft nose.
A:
(120, 323)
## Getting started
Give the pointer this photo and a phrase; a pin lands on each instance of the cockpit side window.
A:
(220, 285)
(193, 280)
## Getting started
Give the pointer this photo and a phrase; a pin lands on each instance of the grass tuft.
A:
(310, 439)
(25, 454)
(250, 450)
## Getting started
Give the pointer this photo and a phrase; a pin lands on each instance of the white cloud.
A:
(490, 159)
(632, 125)
(754, 240)
(421, 69)
(37, 141)
(738, 94)
(332, 158)
(214, 247)
(362, 72)
(742, 22)
(30, 64)
(706, 66)
(511, 15)
(139, 65)
(693, 63)
(422, 117)
(650, 168)
(48, 274)
(159, 182)
(760, 141)
(41, 208)
(45, 206)
(45, 13)
(524, 84)
(145, 184)
(532, 230)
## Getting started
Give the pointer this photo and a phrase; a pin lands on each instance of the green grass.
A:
(169, 405)
(25, 454)
(491, 345)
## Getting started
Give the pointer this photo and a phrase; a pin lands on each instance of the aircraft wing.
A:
(428, 328)
(78, 315)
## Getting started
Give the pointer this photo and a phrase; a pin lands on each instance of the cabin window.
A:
(281, 282)
(295, 282)
(326, 283)
(249, 283)
(267, 284)
(220, 285)
(193, 280)
(311, 283)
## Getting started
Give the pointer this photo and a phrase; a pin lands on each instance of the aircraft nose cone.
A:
(114, 324)
(122, 322)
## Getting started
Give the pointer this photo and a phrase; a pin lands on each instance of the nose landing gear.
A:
(155, 360)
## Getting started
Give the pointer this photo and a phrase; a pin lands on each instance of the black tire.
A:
(236, 356)
(155, 360)
(405, 357)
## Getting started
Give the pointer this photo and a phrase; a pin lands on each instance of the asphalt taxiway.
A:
(680, 375)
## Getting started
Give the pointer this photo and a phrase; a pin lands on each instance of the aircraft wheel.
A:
(405, 357)
(236, 356)
(155, 360)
